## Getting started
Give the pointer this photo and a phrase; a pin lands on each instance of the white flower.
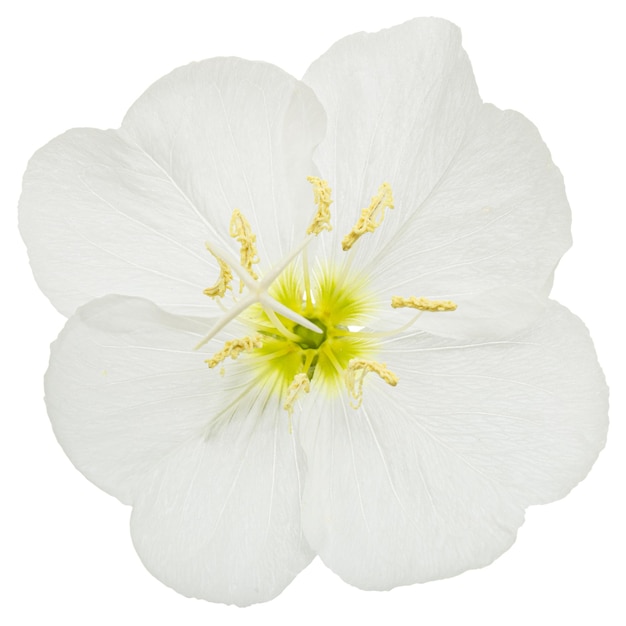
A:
(399, 446)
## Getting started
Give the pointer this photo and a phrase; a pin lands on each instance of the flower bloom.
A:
(311, 317)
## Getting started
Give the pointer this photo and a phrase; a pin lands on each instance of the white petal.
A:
(498, 218)
(219, 519)
(125, 388)
(236, 134)
(129, 211)
(207, 461)
(478, 201)
(399, 104)
(431, 477)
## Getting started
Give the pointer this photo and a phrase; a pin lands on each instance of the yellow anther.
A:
(234, 348)
(321, 197)
(422, 304)
(241, 230)
(357, 370)
(299, 385)
(371, 217)
(223, 282)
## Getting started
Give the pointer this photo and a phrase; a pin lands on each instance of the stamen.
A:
(234, 348)
(299, 385)
(356, 372)
(279, 326)
(423, 304)
(223, 282)
(241, 230)
(233, 263)
(321, 197)
(308, 294)
(371, 217)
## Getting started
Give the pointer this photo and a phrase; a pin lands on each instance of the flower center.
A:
(309, 339)
(334, 303)
(306, 327)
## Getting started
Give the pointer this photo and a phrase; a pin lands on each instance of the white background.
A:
(66, 553)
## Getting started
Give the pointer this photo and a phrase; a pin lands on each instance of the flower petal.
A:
(478, 201)
(208, 464)
(129, 211)
(125, 388)
(431, 477)
(219, 519)
(498, 218)
(399, 104)
(236, 134)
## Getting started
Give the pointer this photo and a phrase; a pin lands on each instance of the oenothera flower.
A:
(312, 318)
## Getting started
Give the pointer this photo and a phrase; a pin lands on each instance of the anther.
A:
(371, 217)
(223, 282)
(234, 348)
(241, 230)
(299, 385)
(355, 374)
(321, 197)
(423, 304)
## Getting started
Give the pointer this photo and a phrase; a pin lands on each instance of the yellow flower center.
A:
(335, 305)
(307, 328)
